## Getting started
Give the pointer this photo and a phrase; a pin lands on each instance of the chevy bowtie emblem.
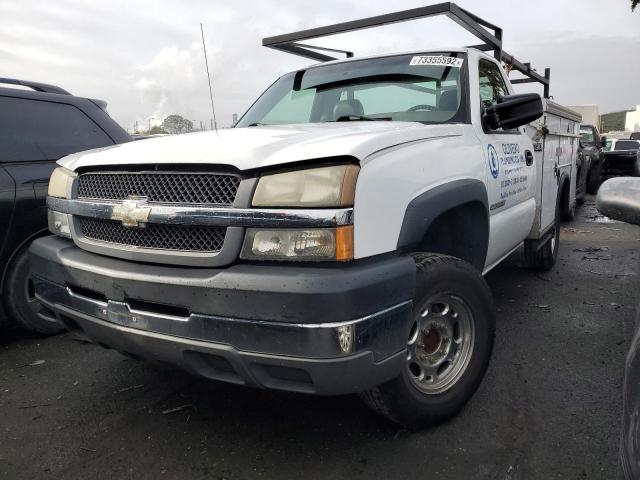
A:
(132, 212)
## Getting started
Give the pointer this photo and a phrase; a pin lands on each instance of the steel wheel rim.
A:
(440, 344)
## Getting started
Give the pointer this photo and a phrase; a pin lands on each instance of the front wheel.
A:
(448, 346)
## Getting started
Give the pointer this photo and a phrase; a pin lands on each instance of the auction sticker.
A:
(437, 60)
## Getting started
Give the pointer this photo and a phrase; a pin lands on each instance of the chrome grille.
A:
(157, 236)
(161, 187)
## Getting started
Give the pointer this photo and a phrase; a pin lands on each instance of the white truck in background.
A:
(335, 240)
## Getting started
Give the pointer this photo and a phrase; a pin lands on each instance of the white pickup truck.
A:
(333, 242)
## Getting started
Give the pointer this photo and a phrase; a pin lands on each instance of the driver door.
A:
(510, 170)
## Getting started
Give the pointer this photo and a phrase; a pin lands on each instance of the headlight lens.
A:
(297, 244)
(332, 186)
(59, 182)
(59, 223)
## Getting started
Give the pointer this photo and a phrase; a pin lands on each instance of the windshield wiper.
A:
(257, 124)
(348, 118)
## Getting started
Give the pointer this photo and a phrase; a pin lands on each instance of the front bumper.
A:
(315, 329)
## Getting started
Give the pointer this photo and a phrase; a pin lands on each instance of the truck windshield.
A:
(427, 88)
(587, 136)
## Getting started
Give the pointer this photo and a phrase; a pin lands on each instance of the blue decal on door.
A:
(494, 163)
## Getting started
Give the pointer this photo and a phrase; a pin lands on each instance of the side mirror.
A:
(603, 142)
(514, 111)
(619, 198)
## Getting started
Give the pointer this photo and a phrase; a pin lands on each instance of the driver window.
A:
(492, 85)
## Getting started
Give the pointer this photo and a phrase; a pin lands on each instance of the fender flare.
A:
(428, 206)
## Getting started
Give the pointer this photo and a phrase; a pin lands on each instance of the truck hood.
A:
(263, 146)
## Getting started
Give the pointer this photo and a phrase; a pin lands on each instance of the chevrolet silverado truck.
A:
(333, 242)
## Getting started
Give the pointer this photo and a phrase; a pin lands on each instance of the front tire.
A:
(448, 348)
(19, 297)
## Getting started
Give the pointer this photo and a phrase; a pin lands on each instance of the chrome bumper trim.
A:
(384, 333)
(211, 216)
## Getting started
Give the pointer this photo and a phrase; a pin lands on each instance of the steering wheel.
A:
(415, 108)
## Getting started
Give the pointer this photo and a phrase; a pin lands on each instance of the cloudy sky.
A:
(145, 57)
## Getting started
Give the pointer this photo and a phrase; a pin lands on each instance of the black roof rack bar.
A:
(325, 49)
(309, 51)
(489, 34)
(38, 87)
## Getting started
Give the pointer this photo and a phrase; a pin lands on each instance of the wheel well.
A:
(461, 232)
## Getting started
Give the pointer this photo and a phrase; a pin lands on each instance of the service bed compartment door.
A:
(551, 153)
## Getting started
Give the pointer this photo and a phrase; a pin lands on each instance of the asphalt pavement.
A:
(549, 406)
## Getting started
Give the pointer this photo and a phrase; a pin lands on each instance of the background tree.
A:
(156, 129)
(175, 124)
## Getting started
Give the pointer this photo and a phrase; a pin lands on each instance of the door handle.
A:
(528, 156)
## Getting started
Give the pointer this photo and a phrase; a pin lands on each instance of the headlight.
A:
(332, 186)
(59, 223)
(60, 181)
(297, 244)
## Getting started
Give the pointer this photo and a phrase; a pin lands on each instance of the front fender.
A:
(426, 208)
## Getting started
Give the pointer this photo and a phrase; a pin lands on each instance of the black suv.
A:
(39, 124)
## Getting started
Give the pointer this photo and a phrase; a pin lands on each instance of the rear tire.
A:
(567, 211)
(20, 301)
(449, 345)
(543, 258)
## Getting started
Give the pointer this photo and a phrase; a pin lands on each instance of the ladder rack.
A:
(490, 35)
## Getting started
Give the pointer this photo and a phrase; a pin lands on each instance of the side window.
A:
(492, 84)
(40, 130)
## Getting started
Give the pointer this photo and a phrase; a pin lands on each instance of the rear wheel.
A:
(448, 346)
(567, 210)
(544, 257)
(20, 300)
